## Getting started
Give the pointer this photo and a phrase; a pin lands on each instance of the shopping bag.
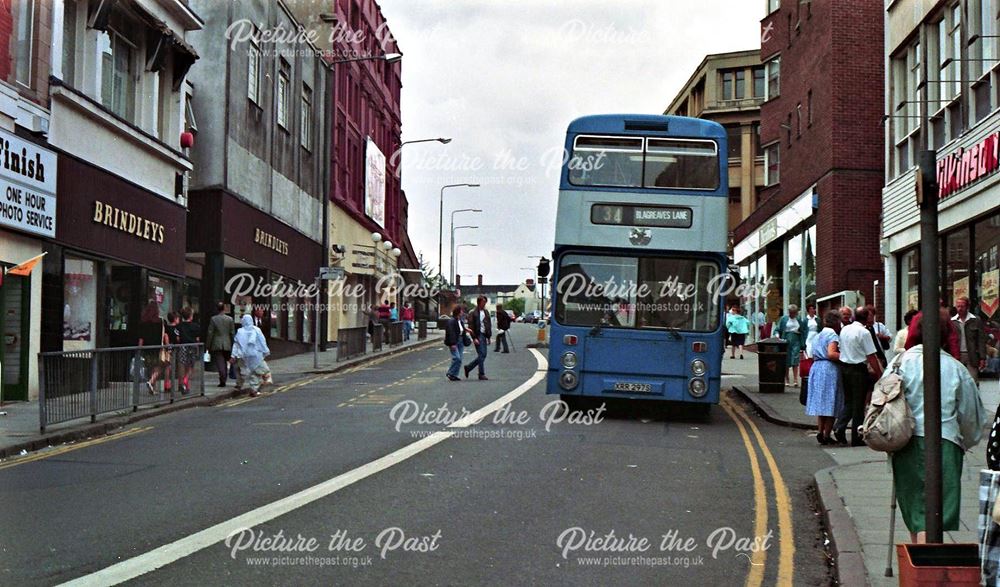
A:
(207, 357)
(989, 531)
(137, 369)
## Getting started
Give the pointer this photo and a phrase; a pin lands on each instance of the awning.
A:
(164, 39)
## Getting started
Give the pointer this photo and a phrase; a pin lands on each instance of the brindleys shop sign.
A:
(958, 170)
(28, 183)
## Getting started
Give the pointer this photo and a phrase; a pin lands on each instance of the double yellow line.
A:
(783, 503)
(46, 454)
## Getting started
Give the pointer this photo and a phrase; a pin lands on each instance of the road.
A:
(335, 480)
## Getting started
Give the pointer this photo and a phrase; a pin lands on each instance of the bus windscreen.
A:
(637, 292)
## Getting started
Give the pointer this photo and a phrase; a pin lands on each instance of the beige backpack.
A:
(889, 423)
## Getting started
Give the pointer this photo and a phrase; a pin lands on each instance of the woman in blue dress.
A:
(826, 395)
(793, 329)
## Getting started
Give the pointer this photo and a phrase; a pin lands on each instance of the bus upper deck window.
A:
(606, 161)
(682, 164)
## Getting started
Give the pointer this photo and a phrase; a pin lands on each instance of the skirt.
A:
(908, 476)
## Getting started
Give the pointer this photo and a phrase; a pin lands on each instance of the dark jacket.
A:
(503, 320)
(452, 332)
(975, 338)
(485, 329)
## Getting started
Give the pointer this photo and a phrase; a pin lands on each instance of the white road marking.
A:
(169, 553)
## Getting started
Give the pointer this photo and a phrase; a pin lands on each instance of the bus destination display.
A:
(629, 215)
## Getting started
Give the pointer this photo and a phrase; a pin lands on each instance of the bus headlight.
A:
(698, 367)
(569, 360)
(697, 387)
(568, 380)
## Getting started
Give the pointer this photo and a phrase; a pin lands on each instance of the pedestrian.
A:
(962, 419)
(971, 338)
(792, 328)
(153, 333)
(249, 351)
(813, 326)
(189, 335)
(408, 316)
(738, 327)
(393, 312)
(879, 352)
(503, 325)
(173, 338)
(899, 344)
(949, 332)
(221, 330)
(372, 320)
(384, 316)
(880, 329)
(758, 324)
(453, 334)
(481, 326)
(825, 393)
(858, 358)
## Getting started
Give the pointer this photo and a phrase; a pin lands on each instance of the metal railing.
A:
(394, 334)
(77, 384)
(351, 342)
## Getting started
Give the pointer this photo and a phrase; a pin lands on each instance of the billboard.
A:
(27, 186)
(374, 183)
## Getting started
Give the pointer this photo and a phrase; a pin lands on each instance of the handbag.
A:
(466, 340)
(207, 357)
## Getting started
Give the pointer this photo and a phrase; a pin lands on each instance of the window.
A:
(80, 304)
(663, 163)
(740, 84)
(772, 164)
(793, 267)
(809, 107)
(772, 5)
(727, 85)
(640, 298)
(955, 50)
(956, 258)
(755, 132)
(607, 161)
(69, 42)
(909, 279)
(758, 82)
(987, 267)
(284, 77)
(305, 132)
(734, 136)
(117, 65)
(683, 164)
(25, 41)
(189, 121)
(914, 94)
(798, 119)
(773, 78)
(253, 69)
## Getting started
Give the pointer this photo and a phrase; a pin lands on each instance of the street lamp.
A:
(451, 247)
(456, 251)
(388, 58)
(441, 140)
(441, 220)
(451, 258)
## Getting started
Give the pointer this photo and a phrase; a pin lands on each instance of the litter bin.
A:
(771, 356)
(421, 330)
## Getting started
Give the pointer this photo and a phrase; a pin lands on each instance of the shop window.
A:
(809, 266)
(956, 266)
(987, 277)
(160, 291)
(794, 268)
(909, 279)
(293, 318)
(307, 322)
(275, 317)
(80, 304)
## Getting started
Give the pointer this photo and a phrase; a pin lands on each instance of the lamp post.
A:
(441, 140)
(441, 220)
(388, 58)
(451, 247)
(452, 252)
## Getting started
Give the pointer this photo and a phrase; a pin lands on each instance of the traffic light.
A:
(543, 271)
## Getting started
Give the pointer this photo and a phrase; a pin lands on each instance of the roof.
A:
(645, 124)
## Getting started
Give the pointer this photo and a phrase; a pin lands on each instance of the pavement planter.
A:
(771, 354)
(955, 565)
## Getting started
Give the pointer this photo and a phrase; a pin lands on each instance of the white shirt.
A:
(960, 324)
(855, 344)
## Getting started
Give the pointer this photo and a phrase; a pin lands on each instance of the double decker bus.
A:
(639, 265)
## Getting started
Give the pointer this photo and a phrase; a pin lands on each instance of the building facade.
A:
(822, 140)
(955, 43)
(28, 207)
(257, 192)
(728, 88)
(119, 103)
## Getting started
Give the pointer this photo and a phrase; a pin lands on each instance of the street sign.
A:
(331, 273)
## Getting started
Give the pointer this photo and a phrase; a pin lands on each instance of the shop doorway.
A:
(15, 313)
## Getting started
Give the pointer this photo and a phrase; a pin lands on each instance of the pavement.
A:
(19, 424)
(855, 494)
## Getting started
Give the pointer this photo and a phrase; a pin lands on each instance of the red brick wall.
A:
(6, 38)
(834, 53)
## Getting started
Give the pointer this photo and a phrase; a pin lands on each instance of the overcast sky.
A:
(504, 79)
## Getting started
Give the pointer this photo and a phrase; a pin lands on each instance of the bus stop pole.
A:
(319, 289)
(930, 295)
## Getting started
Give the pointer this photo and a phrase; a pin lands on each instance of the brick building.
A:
(822, 139)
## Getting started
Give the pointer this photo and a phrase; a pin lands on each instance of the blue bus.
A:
(639, 265)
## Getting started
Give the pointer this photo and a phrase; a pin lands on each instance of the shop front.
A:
(250, 260)
(118, 259)
(28, 218)
(778, 263)
(969, 230)
(369, 261)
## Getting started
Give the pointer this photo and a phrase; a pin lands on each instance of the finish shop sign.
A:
(964, 167)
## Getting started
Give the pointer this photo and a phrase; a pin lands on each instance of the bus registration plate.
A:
(634, 387)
